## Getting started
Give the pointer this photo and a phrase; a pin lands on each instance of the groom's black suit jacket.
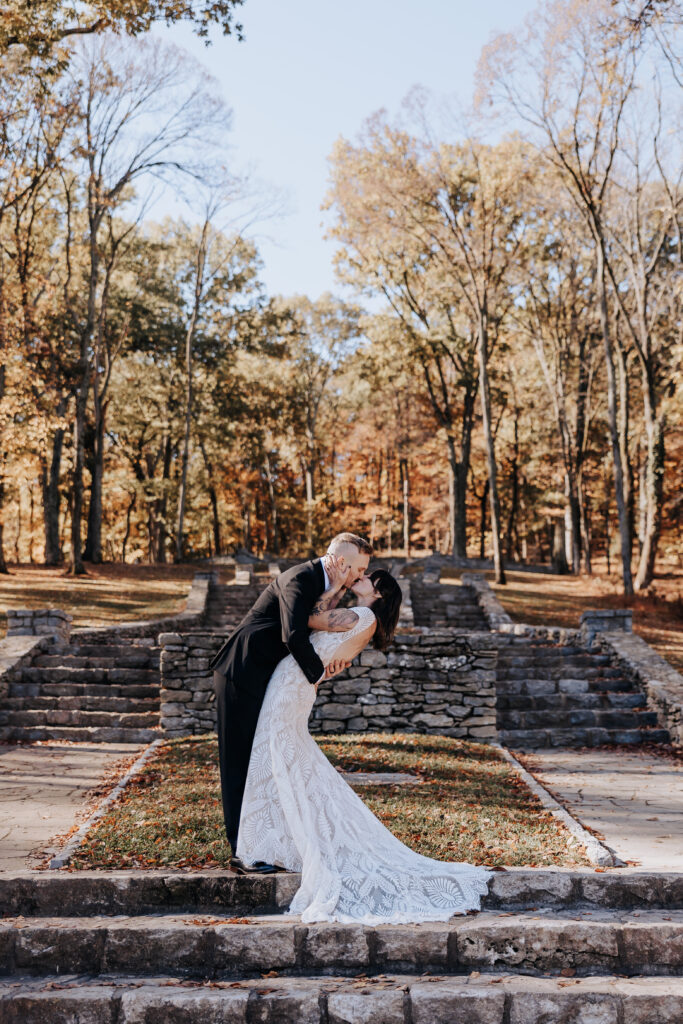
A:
(276, 625)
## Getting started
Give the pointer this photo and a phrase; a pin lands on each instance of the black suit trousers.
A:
(276, 626)
(237, 720)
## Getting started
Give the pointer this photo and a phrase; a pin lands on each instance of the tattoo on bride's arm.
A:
(341, 618)
(323, 604)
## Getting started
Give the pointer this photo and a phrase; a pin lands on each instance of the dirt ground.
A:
(108, 593)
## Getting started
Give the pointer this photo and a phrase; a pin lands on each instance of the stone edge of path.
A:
(596, 851)
(62, 858)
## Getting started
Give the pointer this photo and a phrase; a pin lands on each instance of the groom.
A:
(276, 626)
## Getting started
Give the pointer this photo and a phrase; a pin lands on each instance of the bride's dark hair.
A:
(387, 607)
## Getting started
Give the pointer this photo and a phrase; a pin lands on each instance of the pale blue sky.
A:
(311, 70)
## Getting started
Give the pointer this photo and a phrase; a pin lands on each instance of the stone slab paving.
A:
(380, 778)
(390, 999)
(632, 798)
(43, 790)
(587, 942)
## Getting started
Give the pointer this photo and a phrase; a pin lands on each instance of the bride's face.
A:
(364, 588)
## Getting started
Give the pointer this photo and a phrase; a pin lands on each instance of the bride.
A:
(300, 814)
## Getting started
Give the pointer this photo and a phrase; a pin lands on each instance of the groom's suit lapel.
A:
(317, 564)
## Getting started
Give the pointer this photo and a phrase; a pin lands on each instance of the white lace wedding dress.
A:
(299, 813)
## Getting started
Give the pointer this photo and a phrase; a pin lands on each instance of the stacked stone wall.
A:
(422, 684)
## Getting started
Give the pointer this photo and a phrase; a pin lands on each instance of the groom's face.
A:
(357, 561)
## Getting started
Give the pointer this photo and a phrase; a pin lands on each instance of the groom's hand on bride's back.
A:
(334, 668)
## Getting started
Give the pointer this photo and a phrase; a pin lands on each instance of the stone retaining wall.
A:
(420, 685)
(662, 684)
(16, 651)
(39, 622)
(494, 613)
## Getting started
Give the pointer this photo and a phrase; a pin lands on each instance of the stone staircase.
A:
(229, 603)
(551, 695)
(135, 948)
(90, 689)
(448, 605)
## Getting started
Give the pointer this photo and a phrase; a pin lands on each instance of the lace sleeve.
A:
(366, 617)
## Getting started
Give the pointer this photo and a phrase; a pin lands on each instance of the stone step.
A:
(570, 667)
(78, 734)
(537, 687)
(89, 675)
(85, 702)
(525, 739)
(120, 647)
(385, 999)
(66, 716)
(646, 942)
(126, 660)
(105, 690)
(561, 701)
(540, 655)
(83, 893)
(585, 718)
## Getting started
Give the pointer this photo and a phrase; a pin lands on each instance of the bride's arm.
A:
(348, 649)
(336, 620)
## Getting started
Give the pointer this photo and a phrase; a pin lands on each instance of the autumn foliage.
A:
(501, 379)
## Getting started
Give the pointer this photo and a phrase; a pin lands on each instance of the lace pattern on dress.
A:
(299, 812)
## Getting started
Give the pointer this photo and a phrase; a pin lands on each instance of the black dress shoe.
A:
(265, 869)
(258, 867)
(238, 866)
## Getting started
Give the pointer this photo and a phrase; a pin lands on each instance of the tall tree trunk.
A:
(405, 481)
(619, 487)
(575, 518)
(490, 451)
(624, 420)
(3, 563)
(559, 552)
(482, 519)
(310, 505)
(77, 567)
(51, 497)
(457, 499)
(129, 510)
(31, 521)
(189, 339)
(274, 513)
(514, 490)
(93, 544)
(585, 526)
(654, 480)
(185, 458)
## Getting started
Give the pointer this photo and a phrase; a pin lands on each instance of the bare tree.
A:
(569, 76)
(645, 241)
(145, 112)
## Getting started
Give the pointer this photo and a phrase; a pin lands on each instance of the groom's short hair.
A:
(350, 538)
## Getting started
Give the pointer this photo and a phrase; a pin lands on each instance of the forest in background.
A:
(503, 382)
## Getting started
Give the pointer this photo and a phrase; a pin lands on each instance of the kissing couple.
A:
(285, 805)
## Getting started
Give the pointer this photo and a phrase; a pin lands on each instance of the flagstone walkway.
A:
(632, 798)
(44, 791)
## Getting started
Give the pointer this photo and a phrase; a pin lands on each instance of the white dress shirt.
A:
(327, 587)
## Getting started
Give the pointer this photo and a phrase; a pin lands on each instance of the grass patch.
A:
(470, 805)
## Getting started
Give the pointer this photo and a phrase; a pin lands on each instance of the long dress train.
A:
(299, 813)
